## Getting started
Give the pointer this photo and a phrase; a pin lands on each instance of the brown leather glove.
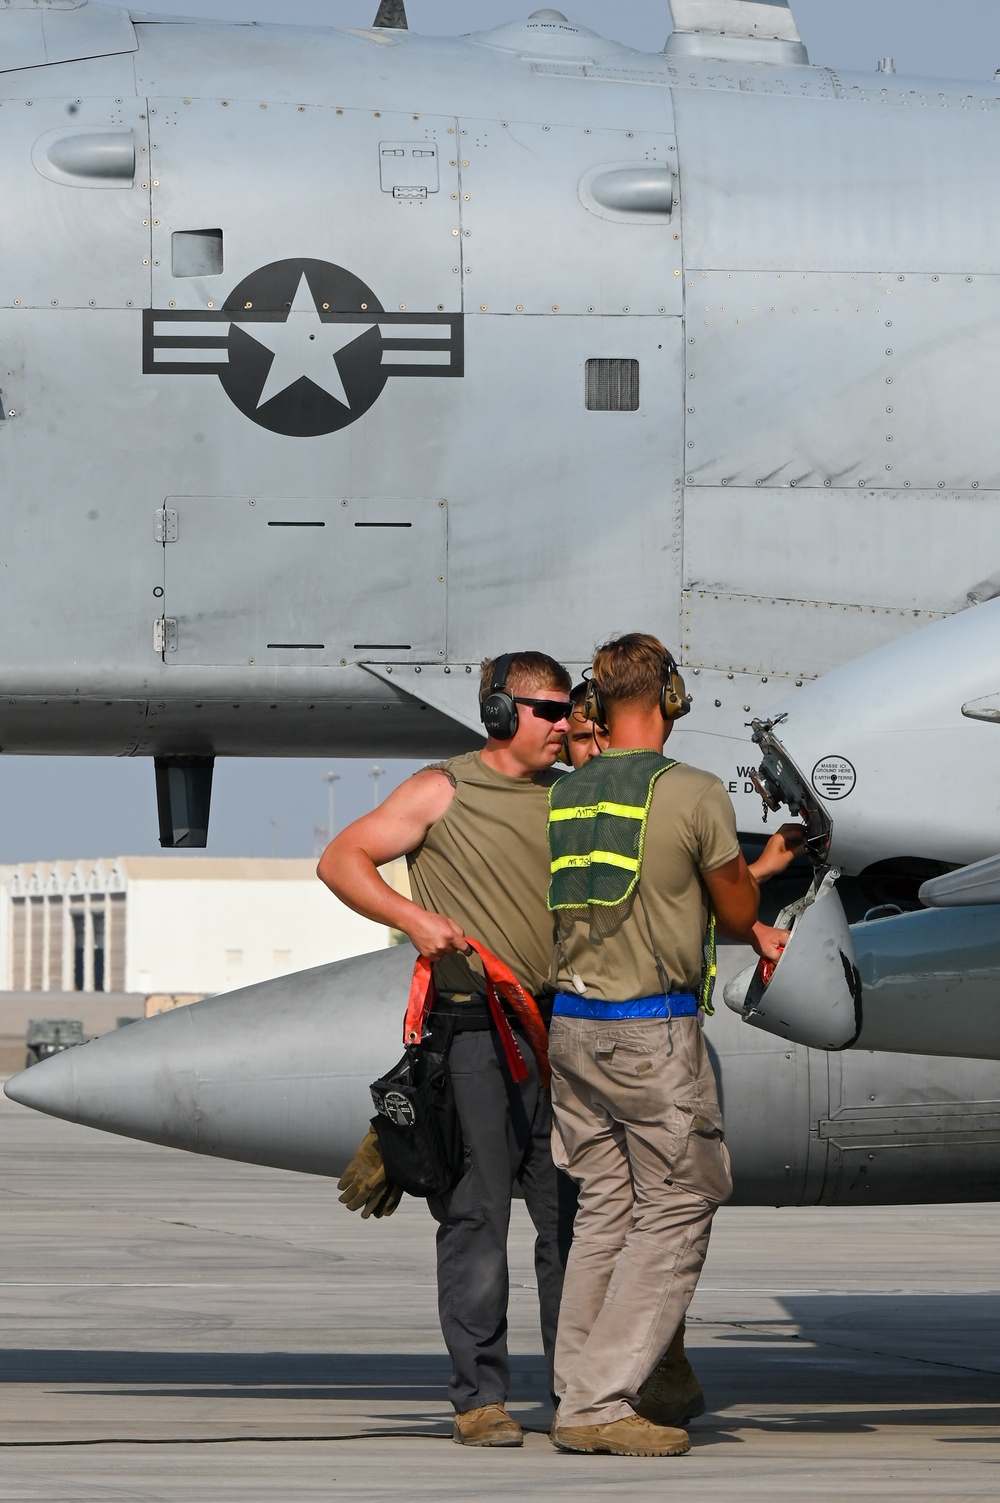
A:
(364, 1184)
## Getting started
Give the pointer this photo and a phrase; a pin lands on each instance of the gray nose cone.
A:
(274, 1074)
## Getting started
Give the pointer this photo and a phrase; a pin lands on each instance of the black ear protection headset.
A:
(498, 712)
(674, 698)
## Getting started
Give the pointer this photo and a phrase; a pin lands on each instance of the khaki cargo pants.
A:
(637, 1125)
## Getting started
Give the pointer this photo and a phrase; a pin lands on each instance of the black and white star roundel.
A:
(301, 347)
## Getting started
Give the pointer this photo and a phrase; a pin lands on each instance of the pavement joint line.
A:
(193, 1284)
(853, 1290)
(693, 1319)
(225, 1440)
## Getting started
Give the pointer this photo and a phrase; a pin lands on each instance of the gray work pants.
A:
(507, 1132)
(637, 1125)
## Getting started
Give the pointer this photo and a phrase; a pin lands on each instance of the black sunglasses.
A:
(552, 710)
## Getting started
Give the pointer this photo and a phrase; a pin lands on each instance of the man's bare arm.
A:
(349, 865)
(735, 896)
(781, 850)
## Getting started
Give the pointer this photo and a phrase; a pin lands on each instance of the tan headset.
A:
(674, 698)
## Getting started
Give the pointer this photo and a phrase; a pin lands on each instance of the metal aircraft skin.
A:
(334, 361)
(299, 333)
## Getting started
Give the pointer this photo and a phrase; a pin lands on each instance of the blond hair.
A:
(527, 671)
(630, 669)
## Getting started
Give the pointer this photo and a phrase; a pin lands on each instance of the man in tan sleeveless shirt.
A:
(473, 832)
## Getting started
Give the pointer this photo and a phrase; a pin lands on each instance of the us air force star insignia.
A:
(306, 349)
(301, 347)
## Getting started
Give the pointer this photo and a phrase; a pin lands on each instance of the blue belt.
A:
(676, 1005)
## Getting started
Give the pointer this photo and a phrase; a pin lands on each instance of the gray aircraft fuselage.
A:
(333, 361)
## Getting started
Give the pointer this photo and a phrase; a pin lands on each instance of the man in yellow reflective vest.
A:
(642, 848)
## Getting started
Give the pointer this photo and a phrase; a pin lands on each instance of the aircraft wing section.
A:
(914, 983)
(968, 887)
(453, 690)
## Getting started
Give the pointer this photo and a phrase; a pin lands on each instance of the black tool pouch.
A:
(416, 1119)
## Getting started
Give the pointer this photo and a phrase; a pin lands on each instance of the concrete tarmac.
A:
(179, 1329)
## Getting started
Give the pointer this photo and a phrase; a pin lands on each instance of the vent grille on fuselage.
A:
(612, 385)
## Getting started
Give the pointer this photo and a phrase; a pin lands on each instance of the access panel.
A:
(305, 583)
(75, 178)
(563, 219)
(371, 194)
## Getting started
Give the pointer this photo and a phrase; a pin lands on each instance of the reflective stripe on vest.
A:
(597, 828)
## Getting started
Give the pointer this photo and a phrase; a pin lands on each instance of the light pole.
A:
(375, 773)
(329, 778)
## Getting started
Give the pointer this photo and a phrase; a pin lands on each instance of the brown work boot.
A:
(671, 1395)
(633, 1436)
(489, 1426)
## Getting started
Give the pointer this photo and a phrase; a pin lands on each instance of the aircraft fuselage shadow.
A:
(914, 1358)
(826, 1363)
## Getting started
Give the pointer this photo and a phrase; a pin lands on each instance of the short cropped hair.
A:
(527, 671)
(629, 670)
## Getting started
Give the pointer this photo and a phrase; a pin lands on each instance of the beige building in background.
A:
(165, 924)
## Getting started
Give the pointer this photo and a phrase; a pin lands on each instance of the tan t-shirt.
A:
(485, 864)
(691, 829)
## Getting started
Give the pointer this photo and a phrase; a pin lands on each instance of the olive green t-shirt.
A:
(485, 864)
(691, 829)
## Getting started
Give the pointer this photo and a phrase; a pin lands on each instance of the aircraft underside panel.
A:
(319, 581)
(783, 634)
(941, 1142)
(806, 1127)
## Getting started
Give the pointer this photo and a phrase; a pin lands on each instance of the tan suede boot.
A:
(489, 1426)
(671, 1395)
(633, 1436)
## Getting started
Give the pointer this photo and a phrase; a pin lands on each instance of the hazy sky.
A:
(73, 807)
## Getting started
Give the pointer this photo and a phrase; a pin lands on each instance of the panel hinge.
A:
(165, 634)
(409, 192)
(165, 530)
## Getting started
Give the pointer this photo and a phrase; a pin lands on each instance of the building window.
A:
(79, 951)
(97, 919)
